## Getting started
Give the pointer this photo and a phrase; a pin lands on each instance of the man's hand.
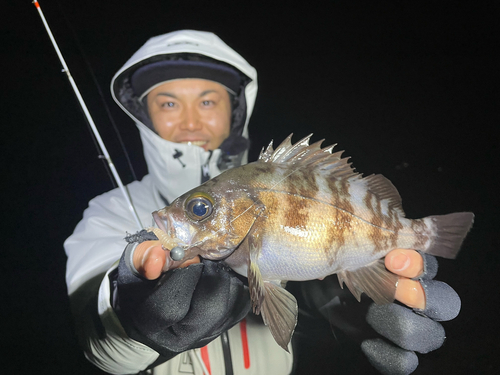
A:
(412, 332)
(149, 259)
(408, 264)
(178, 310)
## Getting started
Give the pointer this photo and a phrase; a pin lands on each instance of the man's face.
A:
(191, 110)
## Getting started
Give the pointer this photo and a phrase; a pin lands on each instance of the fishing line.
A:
(101, 96)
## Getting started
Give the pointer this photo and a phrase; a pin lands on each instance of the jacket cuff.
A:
(116, 353)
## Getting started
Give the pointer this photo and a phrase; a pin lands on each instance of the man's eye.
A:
(207, 103)
(168, 104)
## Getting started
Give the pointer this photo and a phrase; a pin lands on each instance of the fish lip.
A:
(159, 221)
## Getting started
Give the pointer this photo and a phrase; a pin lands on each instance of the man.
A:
(191, 97)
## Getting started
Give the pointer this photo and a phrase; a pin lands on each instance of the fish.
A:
(302, 212)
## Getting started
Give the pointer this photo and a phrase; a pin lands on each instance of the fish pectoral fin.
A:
(374, 280)
(278, 307)
(256, 286)
(279, 312)
(255, 282)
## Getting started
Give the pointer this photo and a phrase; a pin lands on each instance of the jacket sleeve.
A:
(93, 251)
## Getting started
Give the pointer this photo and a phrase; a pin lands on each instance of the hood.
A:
(168, 169)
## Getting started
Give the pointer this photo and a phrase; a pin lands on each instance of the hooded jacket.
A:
(173, 174)
(97, 243)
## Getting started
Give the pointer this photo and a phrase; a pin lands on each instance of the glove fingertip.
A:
(389, 359)
(430, 267)
(442, 302)
(405, 328)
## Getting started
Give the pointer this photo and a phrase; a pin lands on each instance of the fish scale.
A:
(299, 213)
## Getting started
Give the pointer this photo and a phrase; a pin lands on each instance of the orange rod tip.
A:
(36, 3)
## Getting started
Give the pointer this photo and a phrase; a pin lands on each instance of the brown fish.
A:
(302, 213)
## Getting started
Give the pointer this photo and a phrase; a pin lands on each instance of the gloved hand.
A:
(371, 325)
(183, 309)
(412, 331)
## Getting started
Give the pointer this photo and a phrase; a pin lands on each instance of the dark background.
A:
(409, 90)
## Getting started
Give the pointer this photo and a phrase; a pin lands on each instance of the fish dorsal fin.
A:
(311, 156)
(332, 166)
(385, 191)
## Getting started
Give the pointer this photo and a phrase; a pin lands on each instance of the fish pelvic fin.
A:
(277, 306)
(450, 232)
(374, 279)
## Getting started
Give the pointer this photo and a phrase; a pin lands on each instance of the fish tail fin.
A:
(450, 231)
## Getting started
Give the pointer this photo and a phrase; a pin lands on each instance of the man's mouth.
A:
(195, 143)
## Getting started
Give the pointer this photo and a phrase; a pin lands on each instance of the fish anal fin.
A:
(279, 311)
(374, 280)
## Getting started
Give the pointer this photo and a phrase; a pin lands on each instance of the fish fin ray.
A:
(343, 279)
(255, 282)
(385, 191)
(266, 154)
(287, 151)
(312, 156)
(451, 230)
(278, 307)
(279, 312)
(374, 280)
(332, 165)
(256, 287)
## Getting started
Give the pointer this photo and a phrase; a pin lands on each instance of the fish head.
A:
(213, 219)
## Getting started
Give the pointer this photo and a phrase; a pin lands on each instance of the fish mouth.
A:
(160, 222)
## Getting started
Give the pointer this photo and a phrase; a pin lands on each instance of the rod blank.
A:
(90, 120)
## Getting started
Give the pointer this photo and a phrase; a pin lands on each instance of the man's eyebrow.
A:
(203, 93)
(167, 94)
(207, 92)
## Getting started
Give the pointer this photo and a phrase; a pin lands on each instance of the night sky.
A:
(408, 90)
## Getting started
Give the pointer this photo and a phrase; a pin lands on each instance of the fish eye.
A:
(199, 206)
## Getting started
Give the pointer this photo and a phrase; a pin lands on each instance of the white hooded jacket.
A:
(97, 243)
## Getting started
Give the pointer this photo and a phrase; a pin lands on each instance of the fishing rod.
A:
(105, 154)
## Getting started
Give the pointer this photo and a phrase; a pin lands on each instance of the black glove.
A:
(185, 308)
(365, 322)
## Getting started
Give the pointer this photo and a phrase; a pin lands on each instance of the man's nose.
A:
(191, 120)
